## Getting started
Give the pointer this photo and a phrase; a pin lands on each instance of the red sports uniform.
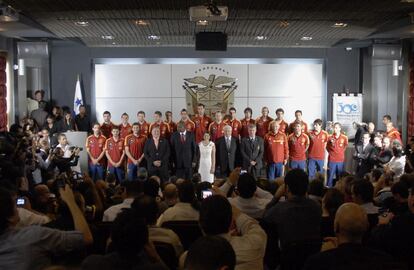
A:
(115, 149)
(144, 129)
(164, 129)
(106, 129)
(262, 126)
(216, 130)
(394, 134)
(276, 147)
(125, 130)
(317, 144)
(189, 125)
(298, 146)
(235, 127)
(96, 145)
(172, 125)
(201, 126)
(135, 145)
(291, 128)
(336, 147)
(244, 132)
(283, 126)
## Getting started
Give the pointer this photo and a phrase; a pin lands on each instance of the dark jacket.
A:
(183, 153)
(252, 150)
(226, 158)
(162, 153)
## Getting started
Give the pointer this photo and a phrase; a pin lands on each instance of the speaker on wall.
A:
(211, 41)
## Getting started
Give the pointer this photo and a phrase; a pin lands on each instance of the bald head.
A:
(351, 222)
(170, 191)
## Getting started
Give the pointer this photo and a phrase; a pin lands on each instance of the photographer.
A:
(62, 163)
(68, 150)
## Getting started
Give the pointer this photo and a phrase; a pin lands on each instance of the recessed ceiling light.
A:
(260, 38)
(154, 37)
(107, 37)
(339, 25)
(306, 38)
(141, 22)
(82, 23)
(113, 43)
(202, 22)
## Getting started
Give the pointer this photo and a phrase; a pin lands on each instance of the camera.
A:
(206, 193)
(243, 172)
(74, 147)
(20, 201)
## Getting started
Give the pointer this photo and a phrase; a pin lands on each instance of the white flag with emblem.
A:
(78, 100)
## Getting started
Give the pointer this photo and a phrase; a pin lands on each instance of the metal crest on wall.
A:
(211, 86)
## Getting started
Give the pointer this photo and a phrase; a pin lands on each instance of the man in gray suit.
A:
(226, 149)
(252, 152)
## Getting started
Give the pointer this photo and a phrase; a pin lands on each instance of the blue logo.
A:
(347, 108)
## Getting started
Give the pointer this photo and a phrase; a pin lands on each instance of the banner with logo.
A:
(347, 110)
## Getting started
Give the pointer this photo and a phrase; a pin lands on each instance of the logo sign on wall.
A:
(347, 110)
(211, 86)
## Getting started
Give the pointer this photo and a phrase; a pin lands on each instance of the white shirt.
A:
(180, 211)
(28, 218)
(111, 213)
(249, 246)
(397, 165)
(254, 207)
(164, 235)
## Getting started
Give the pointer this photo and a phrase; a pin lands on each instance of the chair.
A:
(187, 230)
(167, 254)
(294, 255)
(101, 235)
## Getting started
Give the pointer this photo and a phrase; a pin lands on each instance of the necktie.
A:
(228, 143)
(182, 138)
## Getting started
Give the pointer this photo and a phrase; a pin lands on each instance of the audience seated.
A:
(363, 194)
(31, 247)
(186, 208)
(332, 200)
(129, 240)
(146, 207)
(220, 256)
(248, 239)
(351, 223)
(131, 191)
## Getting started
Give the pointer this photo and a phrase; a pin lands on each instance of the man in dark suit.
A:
(364, 155)
(252, 149)
(184, 151)
(350, 225)
(226, 148)
(157, 154)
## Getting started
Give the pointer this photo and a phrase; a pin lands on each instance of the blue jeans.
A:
(314, 166)
(96, 172)
(132, 171)
(275, 170)
(334, 170)
(118, 172)
(298, 164)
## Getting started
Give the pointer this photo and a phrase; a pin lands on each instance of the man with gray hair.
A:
(252, 150)
(226, 148)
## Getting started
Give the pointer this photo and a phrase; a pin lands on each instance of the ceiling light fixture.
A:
(202, 22)
(260, 38)
(113, 43)
(154, 37)
(306, 38)
(82, 23)
(340, 25)
(141, 23)
(107, 37)
(283, 24)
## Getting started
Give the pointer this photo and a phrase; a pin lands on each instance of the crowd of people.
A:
(203, 194)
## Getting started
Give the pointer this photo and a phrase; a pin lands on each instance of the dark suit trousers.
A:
(185, 173)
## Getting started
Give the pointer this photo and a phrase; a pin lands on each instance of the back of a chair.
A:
(294, 255)
(187, 231)
(167, 254)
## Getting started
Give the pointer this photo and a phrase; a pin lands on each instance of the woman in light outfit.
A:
(207, 159)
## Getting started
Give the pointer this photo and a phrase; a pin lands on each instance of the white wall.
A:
(149, 87)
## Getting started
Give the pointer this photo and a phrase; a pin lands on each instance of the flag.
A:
(78, 100)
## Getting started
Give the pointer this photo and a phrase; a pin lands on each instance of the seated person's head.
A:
(129, 234)
(215, 215)
(170, 193)
(186, 192)
(351, 222)
(332, 200)
(316, 188)
(132, 188)
(210, 253)
(362, 192)
(196, 178)
(110, 178)
(151, 187)
(400, 191)
(376, 174)
(297, 182)
(246, 186)
(146, 207)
